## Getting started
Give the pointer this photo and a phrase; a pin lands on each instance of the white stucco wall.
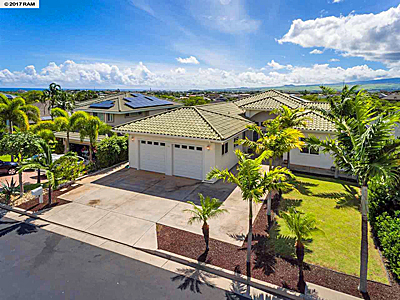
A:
(228, 160)
(322, 160)
(208, 154)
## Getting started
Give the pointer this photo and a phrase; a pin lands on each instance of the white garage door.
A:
(188, 161)
(152, 156)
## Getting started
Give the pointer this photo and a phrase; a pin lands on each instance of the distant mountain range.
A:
(390, 84)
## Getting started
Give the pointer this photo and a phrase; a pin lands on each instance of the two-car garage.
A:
(186, 160)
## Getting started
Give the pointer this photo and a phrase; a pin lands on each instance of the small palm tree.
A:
(45, 162)
(210, 208)
(301, 225)
(276, 179)
(91, 127)
(251, 181)
(17, 112)
(291, 119)
(63, 121)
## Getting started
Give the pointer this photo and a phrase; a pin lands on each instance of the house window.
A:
(101, 117)
(94, 114)
(162, 144)
(184, 147)
(225, 148)
(155, 143)
(199, 148)
(308, 149)
(110, 118)
(143, 142)
(235, 140)
(177, 146)
(127, 115)
(149, 143)
(191, 147)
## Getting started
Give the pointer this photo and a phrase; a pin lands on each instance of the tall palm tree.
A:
(290, 118)
(17, 112)
(91, 127)
(251, 181)
(45, 162)
(365, 147)
(302, 226)
(209, 208)
(63, 121)
(276, 179)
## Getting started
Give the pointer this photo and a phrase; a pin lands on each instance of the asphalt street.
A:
(37, 264)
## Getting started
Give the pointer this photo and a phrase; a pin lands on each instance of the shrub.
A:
(111, 151)
(388, 232)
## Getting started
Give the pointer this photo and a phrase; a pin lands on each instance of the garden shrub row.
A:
(384, 212)
(111, 151)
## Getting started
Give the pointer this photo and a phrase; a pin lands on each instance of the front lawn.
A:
(335, 204)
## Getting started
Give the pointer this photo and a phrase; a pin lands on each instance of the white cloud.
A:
(188, 60)
(375, 37)
(316, 51)
(334, 60)
(102, 75)
(277, 66)
(337, 1)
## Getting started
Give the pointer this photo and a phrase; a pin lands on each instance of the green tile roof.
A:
(317, 122)
(199, 122)
(267, 97)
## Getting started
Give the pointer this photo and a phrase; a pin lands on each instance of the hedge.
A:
(384, 213)
(111, 151)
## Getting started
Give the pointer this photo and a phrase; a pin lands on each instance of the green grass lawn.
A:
(335, 204)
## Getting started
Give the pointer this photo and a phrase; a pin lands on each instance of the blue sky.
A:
(198, 44)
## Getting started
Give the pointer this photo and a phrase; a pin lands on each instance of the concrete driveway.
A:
(126, 205)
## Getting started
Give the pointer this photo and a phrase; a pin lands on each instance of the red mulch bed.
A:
(267, 266)
(35, 206)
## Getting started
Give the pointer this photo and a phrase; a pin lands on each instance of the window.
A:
(149, 143)
(162, 144)
(235, 140)
(191, 147)
(101, 117)
(127, 115)
(199, 148)
(307, 149)
(110, 118)
(155, 143)
(243, 135)
(143, 142)
(225, 148)
(94, 114)
(184, 147)
(177, 146)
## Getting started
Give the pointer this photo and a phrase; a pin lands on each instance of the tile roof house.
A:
(190, 141)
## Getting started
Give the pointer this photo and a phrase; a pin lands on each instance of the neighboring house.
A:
(392, 97)
(124, 107)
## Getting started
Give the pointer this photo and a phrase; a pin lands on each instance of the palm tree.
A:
(276, 179)
(290, 118)
(275, 139)
(365, 147)
(210, 208)
(251, 181)
(91, 127)
(45, 162)
(17, 112)
(63, 121)
(302, 226)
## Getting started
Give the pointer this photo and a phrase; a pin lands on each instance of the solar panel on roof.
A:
(104, 104)
(141, 101)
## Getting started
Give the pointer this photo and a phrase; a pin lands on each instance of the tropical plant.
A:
(57, 171)
(91, 127)
(112, 150)
(209, 208)
(63, 121)
(16, 111)
(301, 226)
(51, 94)
(276, 179)
(21, 145)
(365, 147)
(251, 181)
(274, 140)
(291, 118)
(8, 189)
